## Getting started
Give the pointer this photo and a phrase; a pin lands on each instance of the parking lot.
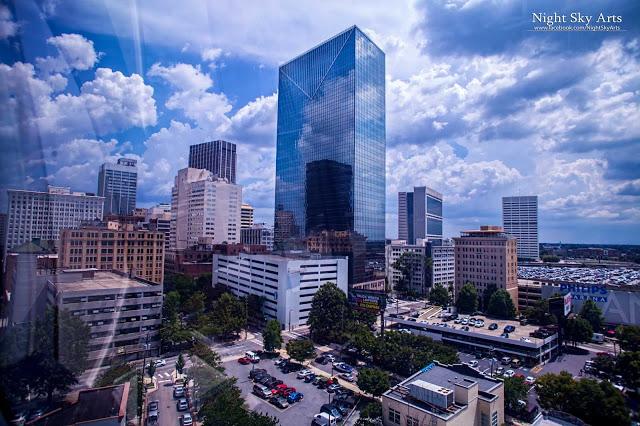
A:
(299, 413)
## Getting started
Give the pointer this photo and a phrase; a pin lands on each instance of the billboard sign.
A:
(367, 301)
(567, 303)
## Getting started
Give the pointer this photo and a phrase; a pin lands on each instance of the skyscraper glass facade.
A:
(330, 163)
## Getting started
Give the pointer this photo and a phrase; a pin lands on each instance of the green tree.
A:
(151, 369)
(486, 296)
(47, 376)
(605, 363)
(578, 330)
(361, 338)
(467, 301)
(439, 296)
(373, 381)
(501, 305)
(180, 364)
(539, 313)
(205, 353)
(327, 315)
(171, 305)
(550, 258)
(629, 337)
(271, 336)
(195, 304)
(229, 315)
(628, 366)
(553, 390)
(514, 389)
(373, 410)
(173, 332)
(301, 349)
(593, 314)
(139, 395)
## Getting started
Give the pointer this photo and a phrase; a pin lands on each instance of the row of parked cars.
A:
(273, 389)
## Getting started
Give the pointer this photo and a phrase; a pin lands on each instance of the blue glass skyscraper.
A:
(330, 163)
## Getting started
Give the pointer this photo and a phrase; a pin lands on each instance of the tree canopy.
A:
(539, 313)
(439, 296)
(593, 314)
(228, 316)
(328, 313)
(271, 336)
(629, 337)
(514, 389)
(501, 305)
(578, 330)
(467, 301)
(301, 349)
(561, 392)
(373, 381)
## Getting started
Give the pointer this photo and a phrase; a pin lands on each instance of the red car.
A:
(279, 389)
(287, 391)
(244, 360)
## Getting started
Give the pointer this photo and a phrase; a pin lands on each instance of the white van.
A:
(252, 356)
(324, 419)
(597, 337)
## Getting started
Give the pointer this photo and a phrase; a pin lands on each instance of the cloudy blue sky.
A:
(478, 106)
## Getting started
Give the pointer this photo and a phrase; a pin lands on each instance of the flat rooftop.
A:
(85, 280)
(599, 276)
(445, 376)
(520, 331)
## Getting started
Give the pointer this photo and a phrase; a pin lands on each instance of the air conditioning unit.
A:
(431, 394)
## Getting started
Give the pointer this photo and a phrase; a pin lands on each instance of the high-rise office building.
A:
(486, 257)
(330, 161)
(203, 208)
(118, 184)
(33, 214)
(219, 157)
(520, 219)
(246, 216)
(420, 215)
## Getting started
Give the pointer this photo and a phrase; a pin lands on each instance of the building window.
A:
(494, 418)
(412, 422)
(484, 419)
(394, 416)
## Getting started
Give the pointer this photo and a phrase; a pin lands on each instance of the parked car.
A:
(509, 329)
(255, 372)
(253, 357)
(153, 406)
(473, 363)
(346, 399)
(244, 360)
(330, 357)
(332, 410)
(505, 335)
(479, 324)
(262, 391)
(279, 401)
(310, 378)
(279, 361)
(525, 339)
(321, 360)
(509, 373)
(182, 405)
(178, 392)
(343, 367)
(160, 362)
(152, 417)
(348, 377)
(303, 373)
(186, 419)
(333, 387)
(530, 380)
(295, 397)
(499, 370)
(324, 419)
(493, 326)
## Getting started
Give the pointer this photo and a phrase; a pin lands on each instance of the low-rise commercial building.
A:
(257, 234)
(124, 313)
(105, 406)
(445, 395)
(521, 343)
(287, 284)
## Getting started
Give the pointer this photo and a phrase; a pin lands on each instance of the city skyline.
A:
(442, 129)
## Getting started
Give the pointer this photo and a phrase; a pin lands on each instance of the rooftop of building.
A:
(486, 231)
(444, 376)
(35, 246)
(291, 255)
(597, 276)
(77, 280)
(89, 405)
(58, 190)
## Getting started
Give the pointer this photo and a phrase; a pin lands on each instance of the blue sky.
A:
(478, 106)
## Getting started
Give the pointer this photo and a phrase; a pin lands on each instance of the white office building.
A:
(287, 284)
(118, 184)
(520, 219)
(203, 207)
(34, 214)
(246, 216)
(444, 265)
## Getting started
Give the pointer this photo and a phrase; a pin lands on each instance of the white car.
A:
(473, 363)
(302, 374)
(530, 380)
(160, 362)
(330, 358)
(186, 420)
(525, 339)
(509, 373)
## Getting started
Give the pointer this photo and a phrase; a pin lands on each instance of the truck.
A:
(597, 338)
